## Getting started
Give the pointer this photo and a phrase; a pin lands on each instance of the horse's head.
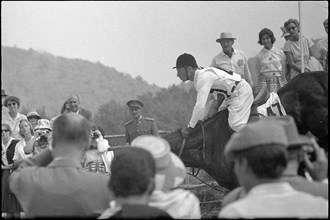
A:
(204, 148)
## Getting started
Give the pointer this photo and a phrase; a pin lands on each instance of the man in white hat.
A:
(230, 58)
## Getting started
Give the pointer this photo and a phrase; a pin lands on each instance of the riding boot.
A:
(231, 130)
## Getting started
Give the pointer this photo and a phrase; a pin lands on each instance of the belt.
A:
(224, 91)
(236, 83)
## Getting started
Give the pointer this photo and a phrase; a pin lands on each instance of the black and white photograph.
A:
(164, 109)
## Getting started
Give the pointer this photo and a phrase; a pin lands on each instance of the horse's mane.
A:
(219, 116)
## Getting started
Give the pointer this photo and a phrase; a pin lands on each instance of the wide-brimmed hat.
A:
(33, 114)
(43, 124)
(170, 170)
(225, 35)
(3, 93)
(185, 60)
(256, 134)
(291, 131)
(134, 103)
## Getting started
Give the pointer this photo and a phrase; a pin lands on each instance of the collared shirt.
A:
(294, 48)
(204, 81)
(14, 124)
(276, 200)
(272, 60)
(19, 151)
(179, 203)
(237, 63)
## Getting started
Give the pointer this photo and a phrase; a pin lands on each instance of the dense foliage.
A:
(40, 80)
(43, 81)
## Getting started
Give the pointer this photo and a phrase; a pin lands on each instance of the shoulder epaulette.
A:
(149, 119)
(128, 122)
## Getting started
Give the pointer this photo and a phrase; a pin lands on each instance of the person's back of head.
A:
(263, 146)
(71, 129)
(132, 173)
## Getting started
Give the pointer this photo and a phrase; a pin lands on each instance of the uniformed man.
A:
(139, 125)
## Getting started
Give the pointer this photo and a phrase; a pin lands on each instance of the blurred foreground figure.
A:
(53, 184)
(132, 182)
(298, 154)
(170, 175)
(259, 152)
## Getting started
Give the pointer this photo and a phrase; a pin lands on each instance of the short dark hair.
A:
(292, 20)
(267, 32)
(266, 161)
(71, 128)
(97, 127)
(132, 171)
(13, 99)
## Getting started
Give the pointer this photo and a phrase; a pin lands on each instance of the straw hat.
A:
(225, 35)
(43, 124)
(170, 170)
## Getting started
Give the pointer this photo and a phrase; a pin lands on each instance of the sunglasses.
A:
(291, 28)
(33, 117)
(4, 130)
(12, 104)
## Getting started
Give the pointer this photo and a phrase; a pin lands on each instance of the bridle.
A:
(203, 153)
(203, 149)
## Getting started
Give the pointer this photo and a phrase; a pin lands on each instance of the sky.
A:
(144, 38)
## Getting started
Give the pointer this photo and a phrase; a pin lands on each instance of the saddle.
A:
(259, 100)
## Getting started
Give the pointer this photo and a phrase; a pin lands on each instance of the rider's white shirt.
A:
(272, 106)
(204, 81)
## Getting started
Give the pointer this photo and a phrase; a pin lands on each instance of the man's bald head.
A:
(71, 128)
(73, 102)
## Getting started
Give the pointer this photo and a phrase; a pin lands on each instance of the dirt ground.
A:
(210, 197)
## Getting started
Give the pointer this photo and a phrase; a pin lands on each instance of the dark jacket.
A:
(143, 126)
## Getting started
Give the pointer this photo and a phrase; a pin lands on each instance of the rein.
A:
(203, 150)
(184, 142)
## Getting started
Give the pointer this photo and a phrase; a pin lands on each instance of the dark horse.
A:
(305, 98)
(213, 134)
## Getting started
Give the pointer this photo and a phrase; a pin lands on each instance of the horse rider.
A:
(238, 95)
(139, 125)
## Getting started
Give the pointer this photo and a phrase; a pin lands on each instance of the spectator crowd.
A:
(64, 167)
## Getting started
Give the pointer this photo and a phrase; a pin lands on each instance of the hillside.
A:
(42, 79)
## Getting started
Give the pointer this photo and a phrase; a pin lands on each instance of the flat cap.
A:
(291, 131)
(256, 134)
